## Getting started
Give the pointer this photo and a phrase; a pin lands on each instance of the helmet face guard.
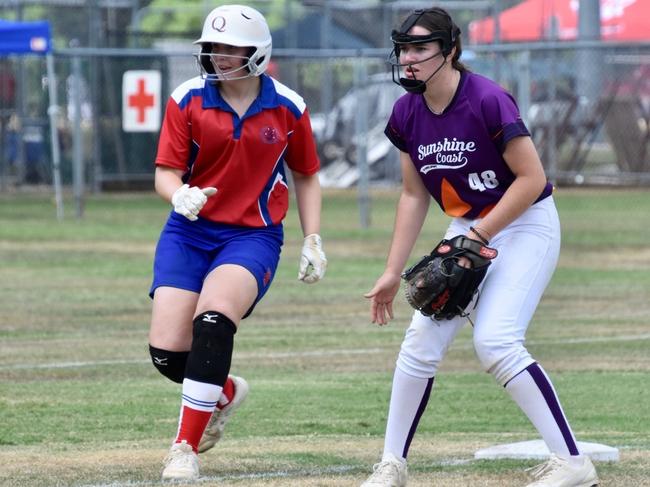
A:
(402, 37)
(209, 68)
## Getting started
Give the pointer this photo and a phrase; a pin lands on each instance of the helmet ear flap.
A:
(206, 48)
(257, 61)
(253, 60)
(449, 44)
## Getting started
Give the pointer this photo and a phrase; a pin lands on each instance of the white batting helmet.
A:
(237, 25)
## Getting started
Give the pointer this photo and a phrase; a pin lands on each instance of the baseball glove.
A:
(438, 286)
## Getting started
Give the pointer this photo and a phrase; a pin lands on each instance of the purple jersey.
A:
(459, 154)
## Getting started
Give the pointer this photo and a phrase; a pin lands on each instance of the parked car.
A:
(336, 131)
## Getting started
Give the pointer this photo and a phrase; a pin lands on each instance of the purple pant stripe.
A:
(554, 405)
(418, 415)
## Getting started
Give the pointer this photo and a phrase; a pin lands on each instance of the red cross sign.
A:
(141, 101)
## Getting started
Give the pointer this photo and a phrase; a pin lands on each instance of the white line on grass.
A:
(317, 472)
(316, 353)
(244, 355)
(243, 476)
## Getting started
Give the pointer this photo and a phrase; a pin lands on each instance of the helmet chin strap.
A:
(418, 86)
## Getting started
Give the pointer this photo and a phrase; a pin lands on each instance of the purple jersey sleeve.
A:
(502, 118)
(391, 131)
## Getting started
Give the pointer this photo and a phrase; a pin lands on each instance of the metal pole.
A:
(361, 144)
(326, 27)
(94, 23)
(497, 40)
(77, 143)
(22, 113)
(524, 85)
(589, 64)
(552, 136)
(53, 112)
(291, 41)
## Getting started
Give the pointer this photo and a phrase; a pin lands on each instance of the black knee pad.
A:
(170, 364)
(211, 353)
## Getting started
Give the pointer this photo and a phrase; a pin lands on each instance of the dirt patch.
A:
(290, 461)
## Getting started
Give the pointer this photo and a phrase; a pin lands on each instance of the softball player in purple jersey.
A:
(462, 142)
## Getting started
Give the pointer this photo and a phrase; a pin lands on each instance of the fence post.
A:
(361, 143)
(53, 111)
(78, 178)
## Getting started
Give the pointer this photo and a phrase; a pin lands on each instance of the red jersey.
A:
(242, 157)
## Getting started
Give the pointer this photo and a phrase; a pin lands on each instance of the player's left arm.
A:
(302, 159)
(313, 262)
(308, 199)
(522, 159)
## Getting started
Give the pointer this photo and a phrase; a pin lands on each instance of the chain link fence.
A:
(587, 105)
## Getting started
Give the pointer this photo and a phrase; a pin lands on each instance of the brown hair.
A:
(438, 19)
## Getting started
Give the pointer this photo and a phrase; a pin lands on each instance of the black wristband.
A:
(480, 237)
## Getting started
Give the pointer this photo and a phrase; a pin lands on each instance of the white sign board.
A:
(141, 101)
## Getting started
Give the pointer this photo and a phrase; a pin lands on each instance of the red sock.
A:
(191, 426)
(227, 393)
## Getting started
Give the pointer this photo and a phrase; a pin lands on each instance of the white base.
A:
(536, 449)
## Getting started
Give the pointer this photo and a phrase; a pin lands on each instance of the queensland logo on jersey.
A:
(270, 135)
(449, 154)
(219, 23)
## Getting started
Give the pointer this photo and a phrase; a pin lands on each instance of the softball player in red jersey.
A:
(462, 142)
(225, 140)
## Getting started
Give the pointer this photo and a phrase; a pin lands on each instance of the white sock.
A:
(408, 400)
(534, 394)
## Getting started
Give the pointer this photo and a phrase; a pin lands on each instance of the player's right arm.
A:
(411, 212)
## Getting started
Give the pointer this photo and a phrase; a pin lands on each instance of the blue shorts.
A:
(187, 252)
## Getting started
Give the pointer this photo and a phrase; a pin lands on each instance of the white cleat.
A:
(559, 472)
(181, 463)
(214, 430)
(390, 472)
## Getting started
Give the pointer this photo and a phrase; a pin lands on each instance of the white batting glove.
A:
(188, 201)
(312, 261)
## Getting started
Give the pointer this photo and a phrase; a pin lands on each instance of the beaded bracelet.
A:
(481, 237)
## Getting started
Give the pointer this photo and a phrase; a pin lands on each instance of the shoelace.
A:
(544, 470)
(178, 457)
(384, 470)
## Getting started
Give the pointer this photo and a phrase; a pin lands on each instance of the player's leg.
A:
(170, 338)
(170, 332)
(169, 347)
(528, 253)
(228, 292)
(234, 392)
(185, 255)
(423, 348)
(181, 262)
(250, 258)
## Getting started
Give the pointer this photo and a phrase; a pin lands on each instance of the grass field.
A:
(81, 405)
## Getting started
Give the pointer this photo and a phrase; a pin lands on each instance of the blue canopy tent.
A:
(24, 37)
(34, 38)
